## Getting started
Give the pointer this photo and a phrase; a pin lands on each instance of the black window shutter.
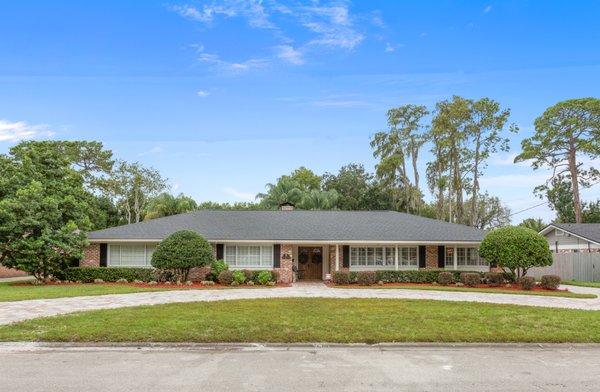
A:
(276, 256)
(219, 251)
(441, 256)
(346, 256)
(422, 256)
(103, 255)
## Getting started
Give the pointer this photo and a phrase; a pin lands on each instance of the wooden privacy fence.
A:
(572, 266)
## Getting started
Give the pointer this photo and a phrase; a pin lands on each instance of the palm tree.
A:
(166, 204)
(284, 191)
(319, 200)
(534, 224)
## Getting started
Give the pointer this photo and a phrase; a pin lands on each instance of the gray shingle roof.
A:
(590, 231)
(297, 226)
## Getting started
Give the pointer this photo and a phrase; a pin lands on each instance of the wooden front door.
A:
(310, 262)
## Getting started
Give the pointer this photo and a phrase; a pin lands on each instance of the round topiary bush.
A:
(239, 277)
(515, 249)
(527, 282)
(181, 251)
(445, 278)
(550, 282)
(366, 278)
(470, 279)
(225, 277)
(341, 278)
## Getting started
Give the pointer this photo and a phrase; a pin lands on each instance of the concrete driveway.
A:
(23, 310)
(296, 368)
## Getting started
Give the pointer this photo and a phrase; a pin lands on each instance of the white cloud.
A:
(333, 26)
(423, 35)
(152, 151)
(20, 130)
(203, 93)
(232, 67)
(252, 10)
(240, 195)
(487, 9)
(392, 48)
(508, 160)
(288, 54)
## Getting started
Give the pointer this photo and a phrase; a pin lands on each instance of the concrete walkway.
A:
(23, 310)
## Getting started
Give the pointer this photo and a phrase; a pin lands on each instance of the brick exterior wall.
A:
(91, 256)
(332, 259)
(431, 256)
(10, 272)
(286, 274)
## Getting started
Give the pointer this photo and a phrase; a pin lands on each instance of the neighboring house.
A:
(573, 237)
(313, 243)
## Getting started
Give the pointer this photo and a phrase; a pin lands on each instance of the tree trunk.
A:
(574, 180)
(475, 189)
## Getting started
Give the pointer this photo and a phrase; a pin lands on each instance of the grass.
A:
(567, 294)
(17, 291)
(315, 320)
(582, 284)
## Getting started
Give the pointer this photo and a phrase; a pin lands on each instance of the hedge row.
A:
(88, 274)
(402, 276)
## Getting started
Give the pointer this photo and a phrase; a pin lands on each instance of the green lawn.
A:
(17, 291)
(567, 294)
(315, 320)
(583, 284)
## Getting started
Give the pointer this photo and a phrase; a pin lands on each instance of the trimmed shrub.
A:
(109, 274)
(239, 277)
(527, 282)
(516, 249)
(411, 276)
(181, 251)
(249, 274)
(264, 277)
(366, 278)
(216, 267)
(225, 277)
(445, 278)
(494, 278)
(341, 278)
(550, 282)
(470, 279)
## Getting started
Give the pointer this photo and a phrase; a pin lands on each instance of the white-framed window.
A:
(130, 255)
(465, 258)
(249, 256)
(382, 256)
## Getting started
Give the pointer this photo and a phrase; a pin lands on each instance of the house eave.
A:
(315, 242)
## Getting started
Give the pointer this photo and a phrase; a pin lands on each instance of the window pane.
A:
(266, 258)
(353, 256)
(149, 252)
(230, 255)
(133, 255)
(389, 256)
(114, 255)
(449, 262)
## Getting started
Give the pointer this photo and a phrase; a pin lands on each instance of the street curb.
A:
(258, 347)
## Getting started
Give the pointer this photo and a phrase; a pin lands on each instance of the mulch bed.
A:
(513, 287)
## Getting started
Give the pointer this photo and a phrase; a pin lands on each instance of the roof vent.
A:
(286, 206)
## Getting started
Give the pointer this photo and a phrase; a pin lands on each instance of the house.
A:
(312, 244)
(573, 237)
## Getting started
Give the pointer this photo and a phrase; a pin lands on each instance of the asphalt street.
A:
(300, 368)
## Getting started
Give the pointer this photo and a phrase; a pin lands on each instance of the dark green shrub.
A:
(216, 267)
(366, 278)
(527, 282)
(264, 277)
(239, 277)
(412, 276)
(550, 282)
(181, 251)
(445, 278)
(109, 274)
(494, 278)
(274, 276)
(470, 279)
(341, 277)
(516, 249)
(225, 277)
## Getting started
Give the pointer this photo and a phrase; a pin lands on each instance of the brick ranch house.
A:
(298, 244)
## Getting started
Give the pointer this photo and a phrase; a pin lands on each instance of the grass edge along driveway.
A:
(291, 320)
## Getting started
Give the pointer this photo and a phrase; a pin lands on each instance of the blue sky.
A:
(223, 97)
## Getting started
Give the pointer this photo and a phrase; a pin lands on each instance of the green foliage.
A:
(470, 279)
(264, 277)
(516, 249)
(43, 211)
(565, 134)
(365, 278)
(225, 277)
(534, 224)
(445, 278)
(411, 276)
(341, 278)
(239, 276)
(494, 278)
(527, 282)
(166, 204)
(112, 274)
(216, 267)
(181, 251)
(550, 282)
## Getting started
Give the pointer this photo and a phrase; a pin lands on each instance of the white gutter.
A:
(548, 228)
(315, 242)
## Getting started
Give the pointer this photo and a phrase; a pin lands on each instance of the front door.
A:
(310, 262)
